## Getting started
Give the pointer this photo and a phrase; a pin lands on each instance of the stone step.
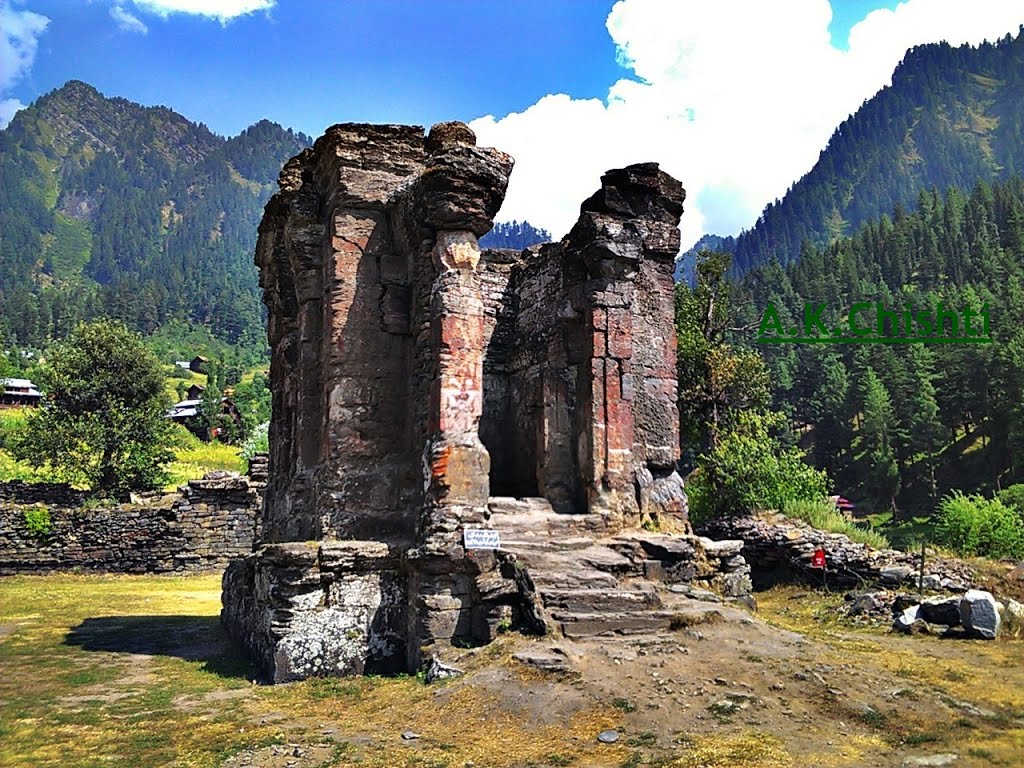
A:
(589, 568)
(523, 542)
(593, 601)
(573, 578)
(636, 622)
(535, 517)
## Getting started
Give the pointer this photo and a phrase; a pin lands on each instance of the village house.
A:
(18, 393)
(187, 411)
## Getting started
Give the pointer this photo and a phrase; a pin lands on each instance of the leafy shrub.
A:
(750, 469)
(822, 514)
(1013, 497)
(11, 422)
(257, 442)
(974, 525)
(37, 521)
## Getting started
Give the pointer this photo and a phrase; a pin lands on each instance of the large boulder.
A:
(906, 620)
(979, 614)
(938, 610)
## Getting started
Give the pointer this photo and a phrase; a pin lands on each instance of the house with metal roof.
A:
(17, 393)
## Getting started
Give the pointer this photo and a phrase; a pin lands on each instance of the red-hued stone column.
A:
(455, 201)
(456, 461)
(606, 438)
(627, 425)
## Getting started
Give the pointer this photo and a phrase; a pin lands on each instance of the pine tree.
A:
(882, 477)
(925, 428)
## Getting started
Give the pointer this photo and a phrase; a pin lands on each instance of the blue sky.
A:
(569, 88)
(310, 63)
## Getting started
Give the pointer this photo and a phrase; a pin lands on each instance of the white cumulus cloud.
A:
(126, 22)
(221, 10)
(19, 37)
(734, 97)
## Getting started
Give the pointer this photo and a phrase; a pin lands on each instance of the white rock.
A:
(979, 615)
(905, 620)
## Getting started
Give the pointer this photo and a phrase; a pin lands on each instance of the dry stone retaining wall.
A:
(202, 527)
(779, 548)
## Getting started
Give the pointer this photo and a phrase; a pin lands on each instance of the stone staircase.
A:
(594, 582)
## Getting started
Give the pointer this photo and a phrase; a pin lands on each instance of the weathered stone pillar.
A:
(456, 461)
(626, 236)
(456, 198)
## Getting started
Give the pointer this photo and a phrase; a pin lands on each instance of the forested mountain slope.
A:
(109, 208)
(935, 416)
(952, 117)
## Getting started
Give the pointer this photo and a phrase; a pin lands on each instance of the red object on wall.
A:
(818, 558)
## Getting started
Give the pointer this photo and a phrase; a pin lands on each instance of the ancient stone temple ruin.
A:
(423, 386)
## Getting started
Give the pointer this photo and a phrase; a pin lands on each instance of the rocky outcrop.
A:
(780, 548)
(417, 378)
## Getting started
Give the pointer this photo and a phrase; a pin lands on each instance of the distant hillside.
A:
(686, 263)
(952, 117)
(109, 208)
(514, 234)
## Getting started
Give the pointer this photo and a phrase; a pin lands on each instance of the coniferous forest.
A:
(952, 117)
(110, 209)
(904, 423)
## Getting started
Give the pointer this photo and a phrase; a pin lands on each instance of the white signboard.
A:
(479, 538)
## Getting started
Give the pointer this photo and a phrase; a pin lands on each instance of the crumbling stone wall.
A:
(580, 414)
(201, 528)
(415, 377)
(56, 494)
(779, 549)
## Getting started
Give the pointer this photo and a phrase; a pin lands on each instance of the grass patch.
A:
(193, 458)
(824, 516)
(742, 750)
(136, 671)
(624, 705)
(645, 739)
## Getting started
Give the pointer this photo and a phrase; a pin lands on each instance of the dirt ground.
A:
(135, 671)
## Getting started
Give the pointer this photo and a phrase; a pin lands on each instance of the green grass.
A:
(137, 671)
(193, 458)
(71, 247)
(905, 532)
(825, 517)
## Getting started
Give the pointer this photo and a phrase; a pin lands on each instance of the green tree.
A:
(717, 381)
(925, 428)
(101, 421)
(882, 477)
(749, 470)
(210, 419)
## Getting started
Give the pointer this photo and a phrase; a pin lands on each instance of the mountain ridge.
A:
(112, 208)
(950, 118)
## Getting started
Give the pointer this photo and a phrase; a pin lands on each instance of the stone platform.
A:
(345, 607)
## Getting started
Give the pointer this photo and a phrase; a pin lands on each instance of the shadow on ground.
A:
(193, 638)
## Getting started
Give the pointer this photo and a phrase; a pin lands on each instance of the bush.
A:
(102, 421)
(976, 526)
(822, 514)
(258, 441)
(1013, 497)
(37, 521)
(750, 469)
